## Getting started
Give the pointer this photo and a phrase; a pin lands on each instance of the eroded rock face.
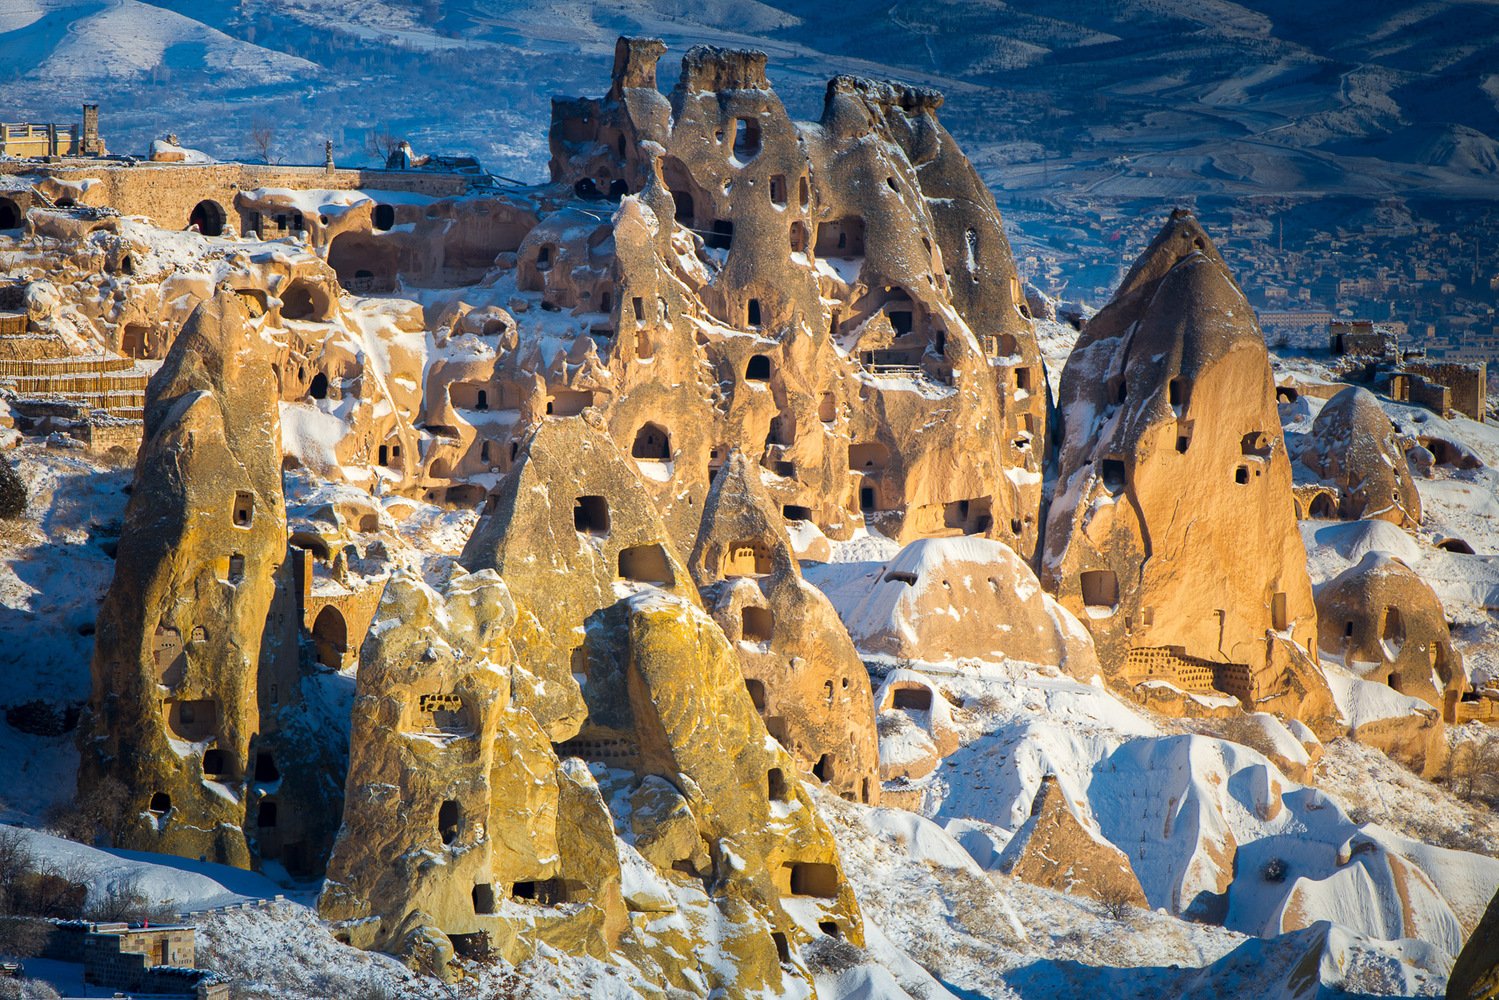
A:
(849, 283)
(461, 819)
(1475, 975)
(1354, 446)
(1172, 533)
(968, 598)
(800, 668)
(1386, 624)
(514, 809)
(1054, 849)
(199, 597)
(567, 528)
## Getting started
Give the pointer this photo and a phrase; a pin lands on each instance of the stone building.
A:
(28, 140)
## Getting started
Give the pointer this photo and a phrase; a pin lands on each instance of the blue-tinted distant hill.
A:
(1148, 98)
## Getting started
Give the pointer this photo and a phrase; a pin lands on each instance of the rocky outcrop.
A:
(844, 282)
(585, 764)
(967, 598)
(199, 599)
(461, 820)
(1385, 624)
(1172, 534)
(1475, 975)
(1354, 447)
(800, 668)
(1055, 850)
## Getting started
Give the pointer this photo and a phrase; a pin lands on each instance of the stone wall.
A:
(1468, 383)
(1171, 664)
(167, 193)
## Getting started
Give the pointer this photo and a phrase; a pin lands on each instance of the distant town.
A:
(1428, 272)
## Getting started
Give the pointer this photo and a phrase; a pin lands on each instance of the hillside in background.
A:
(1145, 98)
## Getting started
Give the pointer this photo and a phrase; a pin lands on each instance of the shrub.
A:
(1116, 900)
(97, 815)
(1275, 870)
(830, 955)
(12, 491)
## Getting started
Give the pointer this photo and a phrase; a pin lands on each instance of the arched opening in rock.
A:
(756, 691)
(193, 720)
(796, 512)
(447, 821)
(1456, 545)
(10, 214)
(1323, 508)
(823, 769)
(365, 264)
(161, 804)
(1392, 633)
(243, 511)
(757, 624)
(813, 879)
(841, 238)
(1100, 588)
(483, 896)
(746, 558)
(798, 237)
(721, 236)
(208, 217)
(591, 515)
(778, 190)
(645, 564)
(265, 767)
(213, 762)
(652, 443)
(1255, 443)
(384, 217)
(303, 301)
(752, 312)
(318, 387)
(133, 340)
(330, 636)
(746, 139)
(775, 781)
(912, 699)
(758, 368)
(265, 816)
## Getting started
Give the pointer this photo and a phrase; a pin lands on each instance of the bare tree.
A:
(262, 138)
(380, 144)
(1117, 901)
(16, 862)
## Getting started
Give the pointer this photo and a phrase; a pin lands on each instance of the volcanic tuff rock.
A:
(593, 647)
(458, 810)
(199, 615)
(843, 283)
(1475, 976)
(968, 598)
(1054, 849)
(802, 671)
(1354, 446)
(1385, 624)
(1172, 534)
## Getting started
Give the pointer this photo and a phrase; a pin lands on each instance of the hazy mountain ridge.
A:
(1127, 98)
